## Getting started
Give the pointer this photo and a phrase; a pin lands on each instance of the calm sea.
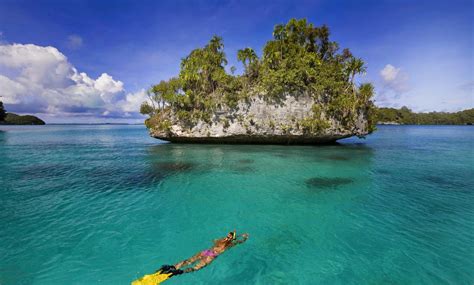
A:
(108, 204)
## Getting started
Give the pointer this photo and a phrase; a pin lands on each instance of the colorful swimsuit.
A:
(208, 253)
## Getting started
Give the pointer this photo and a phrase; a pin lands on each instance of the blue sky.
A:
(418, 53)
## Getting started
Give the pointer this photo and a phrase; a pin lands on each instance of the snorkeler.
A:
(205, 257)
(201, 259)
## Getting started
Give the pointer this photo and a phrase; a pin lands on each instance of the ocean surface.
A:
(108, 204)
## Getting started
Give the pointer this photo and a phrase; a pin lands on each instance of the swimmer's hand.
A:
(244, 236)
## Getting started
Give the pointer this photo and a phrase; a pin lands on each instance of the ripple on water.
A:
(445, 182)
(383, 171)
(243, 169)
(158, 171)
(39, 171)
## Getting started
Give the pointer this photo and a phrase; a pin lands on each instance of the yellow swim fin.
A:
(153, 279)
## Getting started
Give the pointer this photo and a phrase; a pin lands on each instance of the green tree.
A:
(247, 56)
(355, 66)
(3, 113)
(165, 93)
(146, 109)
(249, 59)
(202, 73)
(366, 92)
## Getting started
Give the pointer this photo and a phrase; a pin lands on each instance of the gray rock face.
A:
(260, 122)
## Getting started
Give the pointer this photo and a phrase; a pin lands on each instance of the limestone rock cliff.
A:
(292, 120)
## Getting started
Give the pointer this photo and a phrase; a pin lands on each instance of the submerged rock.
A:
(327, 182)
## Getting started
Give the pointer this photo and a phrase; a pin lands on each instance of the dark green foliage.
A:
(251, 63)
(2, 112)
(14, 119)
(300, 59)
(405, 116)
(146, 109)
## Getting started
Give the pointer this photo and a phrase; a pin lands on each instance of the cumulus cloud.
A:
(395, 83)
(132, 101)
(74, 41)
(37, 79)
(394, 79)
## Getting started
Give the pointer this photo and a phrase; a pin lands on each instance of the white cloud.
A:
(10, 90)
(394, 79)
(389, 73)
(38, 79)
(395, 84)
(74, 41)
(132, 101)
(37, 65)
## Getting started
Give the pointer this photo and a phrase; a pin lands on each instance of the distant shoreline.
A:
(405, 116)
(401, 124)
(94, 124)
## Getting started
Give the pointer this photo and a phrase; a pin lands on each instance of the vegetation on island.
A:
(14, 119)
(300, 59)
(405, 116)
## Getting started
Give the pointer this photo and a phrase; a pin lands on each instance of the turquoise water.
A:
(108, 204)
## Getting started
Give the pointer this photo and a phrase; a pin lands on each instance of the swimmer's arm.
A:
(244, 238)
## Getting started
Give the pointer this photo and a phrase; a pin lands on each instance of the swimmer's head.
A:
(231, 236)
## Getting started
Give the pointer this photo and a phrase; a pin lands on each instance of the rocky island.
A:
(14, 119)
(301, 91)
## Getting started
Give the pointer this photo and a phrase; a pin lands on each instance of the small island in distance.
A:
(301, 90)
(14, 119)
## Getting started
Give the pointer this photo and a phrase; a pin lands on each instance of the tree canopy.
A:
(299, 59)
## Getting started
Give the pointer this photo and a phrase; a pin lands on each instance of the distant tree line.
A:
(300, 59)
(406, 116)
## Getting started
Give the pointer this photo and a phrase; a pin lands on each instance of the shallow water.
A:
(108, 204)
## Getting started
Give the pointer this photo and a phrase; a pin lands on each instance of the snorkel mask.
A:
(233, 234)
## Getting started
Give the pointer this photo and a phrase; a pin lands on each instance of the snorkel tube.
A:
(233, 235)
